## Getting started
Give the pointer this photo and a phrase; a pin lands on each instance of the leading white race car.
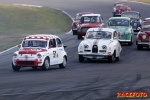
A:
(100, 43)
(40, 51)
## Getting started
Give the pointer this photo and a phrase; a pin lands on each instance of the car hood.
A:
(31, 50)
(90, 25)
(98, 42)
(120, 29)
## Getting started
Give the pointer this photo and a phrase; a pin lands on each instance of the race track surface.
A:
(79, 81)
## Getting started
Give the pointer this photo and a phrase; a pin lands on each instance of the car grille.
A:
(87, 50)
(95, 49)
(84, 30)
(102, 50)
(25, 62)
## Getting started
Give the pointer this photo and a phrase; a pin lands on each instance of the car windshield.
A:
(98, 35)
(90, 19)
(118, 22)
(121, 5)
(130, 15)
(146, 27)
(34, 43)
(78, 17)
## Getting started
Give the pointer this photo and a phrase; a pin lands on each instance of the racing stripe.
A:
(95, 42)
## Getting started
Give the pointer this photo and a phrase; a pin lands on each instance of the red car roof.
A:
(82, 13)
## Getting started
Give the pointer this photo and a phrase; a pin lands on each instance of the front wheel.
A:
(112, 58)
(79, 37)
(139, 47)
(74, 32)
(46, 64)
(15, 68)
(81, 58)
(64, 63)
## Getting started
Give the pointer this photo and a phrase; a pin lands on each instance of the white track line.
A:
(40, 7)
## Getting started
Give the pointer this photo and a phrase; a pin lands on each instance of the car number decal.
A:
(54, 54)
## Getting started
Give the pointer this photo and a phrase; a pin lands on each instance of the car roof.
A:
(82, 13)
(119, 18)
(101, 29)
(120, 2)
(130, 12)
(41, 36)
(92, 15)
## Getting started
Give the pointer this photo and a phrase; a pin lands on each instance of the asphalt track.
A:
(79, 81)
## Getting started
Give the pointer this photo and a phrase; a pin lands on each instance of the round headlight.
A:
(39, 55)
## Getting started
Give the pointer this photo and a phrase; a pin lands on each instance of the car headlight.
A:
(86, 46)
(104, 47)
(127, 32)
(15, 55)
(39, 55)
(135, 24)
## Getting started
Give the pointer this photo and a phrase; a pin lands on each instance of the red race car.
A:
(120, 7)
(88, 21)
(143, 37)
(76, 20)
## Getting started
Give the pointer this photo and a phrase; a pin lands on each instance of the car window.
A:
(52, 43)
(130, 15)
(34, 43)
(90, 19)
(118, 22)
(59, 44)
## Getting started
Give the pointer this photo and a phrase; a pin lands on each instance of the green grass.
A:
(17, 21)
(145, 1)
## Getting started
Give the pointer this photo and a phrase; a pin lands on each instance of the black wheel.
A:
(74, 32)
(118, 58)
(112, 58)
(15, 68)
(34, 68)
(63, 64)
(79, 37)
(114, 15)
(81, 58)
(131, 42)
(139, 47)
(46, 64)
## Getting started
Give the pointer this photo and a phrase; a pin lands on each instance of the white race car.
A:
(40, 51)
(100, 43)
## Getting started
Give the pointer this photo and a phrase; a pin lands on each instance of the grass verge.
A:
(145, 1)
(17, 21)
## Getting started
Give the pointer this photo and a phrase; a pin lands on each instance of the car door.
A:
(52, 51)
(60, 48)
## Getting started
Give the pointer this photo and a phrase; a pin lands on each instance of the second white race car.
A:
(100, 43)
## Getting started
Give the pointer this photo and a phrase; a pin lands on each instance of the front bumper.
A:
(146, 44)
(96, 56)
(27, 63)
(124, 41)
(74, 29)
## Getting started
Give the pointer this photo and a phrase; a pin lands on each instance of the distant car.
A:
(120, 7)
(123, 26)
(76, 20)
(135, 18)
(146, 19)
(143, 36)
(40, 51)
(100, 43)
(88, 21)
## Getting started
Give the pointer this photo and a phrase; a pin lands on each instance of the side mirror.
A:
(19, 45)
(64, 46)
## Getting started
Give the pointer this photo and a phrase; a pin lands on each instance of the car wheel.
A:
(15, 68)
(79, 37)
(114, 15)
(118, 58)
(81, 58)
(112, 58)
(46, 64)
(63, 64)
(74, 32)
(139, 47)
(131, 42)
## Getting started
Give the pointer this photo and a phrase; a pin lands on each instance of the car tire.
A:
(112, 58)
(79, 37)
(114, 15)
(63, 64)
(81, 58)
(139, 47)
(46, 64)
(15, 68)
(118, 58)
(74, 32)
(131, 42)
